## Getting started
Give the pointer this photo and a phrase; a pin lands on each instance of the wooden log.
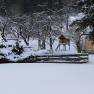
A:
(64, 58)
(79, 54)
(70, 62)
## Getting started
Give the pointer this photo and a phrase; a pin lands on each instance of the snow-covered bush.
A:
(18, 49)
(2, 46)
(9, 45)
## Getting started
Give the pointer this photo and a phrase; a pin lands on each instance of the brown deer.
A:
(63, 41)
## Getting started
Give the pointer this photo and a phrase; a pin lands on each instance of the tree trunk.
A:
(26, 41)
(67, 22)
(51, 42)
(39, 44)
(43, 44)
(3, 33)
(78, 47)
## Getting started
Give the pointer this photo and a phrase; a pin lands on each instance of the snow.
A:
(91, 58)
(41, 52)
(32, 49)
(76, 17)
(47, 79)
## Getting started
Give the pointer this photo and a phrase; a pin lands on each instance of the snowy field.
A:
(47, 79)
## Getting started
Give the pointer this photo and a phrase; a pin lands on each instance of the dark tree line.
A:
(27, 6)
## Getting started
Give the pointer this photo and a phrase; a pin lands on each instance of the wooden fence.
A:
(65, 58)
(78, 58)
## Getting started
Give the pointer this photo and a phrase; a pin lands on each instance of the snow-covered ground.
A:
(47, 79)
(91, 58)
(33, 49)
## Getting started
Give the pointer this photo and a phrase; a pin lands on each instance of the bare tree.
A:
(21, 28)
(4, 21)
(44, 26)
(76, 36)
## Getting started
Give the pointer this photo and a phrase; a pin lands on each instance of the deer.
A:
(63, 41)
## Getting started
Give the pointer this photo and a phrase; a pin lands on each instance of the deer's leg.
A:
(65, 47)
(69, 45)
(57, 47)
